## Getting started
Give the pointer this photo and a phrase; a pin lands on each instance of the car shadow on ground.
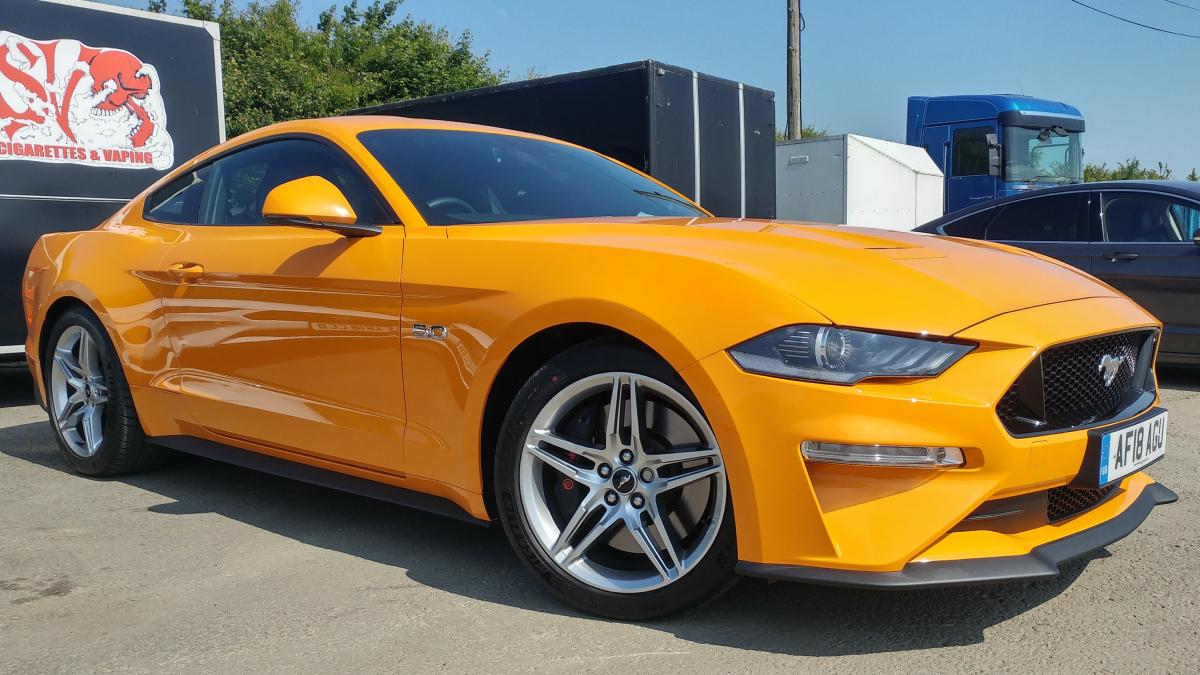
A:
(476, 562)
(1179, 377)
(16, 385)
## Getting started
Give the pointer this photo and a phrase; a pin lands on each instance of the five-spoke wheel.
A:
(89, 401)
(78, 391)
(620, 484)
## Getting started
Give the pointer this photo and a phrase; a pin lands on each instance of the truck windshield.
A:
(472, 178)
(1043, 155)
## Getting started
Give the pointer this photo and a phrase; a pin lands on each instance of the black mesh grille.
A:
(1074, 381)
(1069, 385)
(1064, 502)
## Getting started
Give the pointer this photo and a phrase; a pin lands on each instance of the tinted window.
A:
(232, 190)
(1131, 217)
(1049, 218)
(179, 200)
(240, 182)
(460, 177)
(971, 226)
(971, 151)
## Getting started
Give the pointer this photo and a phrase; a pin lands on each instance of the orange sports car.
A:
(500, 326)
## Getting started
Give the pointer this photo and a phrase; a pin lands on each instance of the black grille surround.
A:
(1064, 502)
(1065, 386)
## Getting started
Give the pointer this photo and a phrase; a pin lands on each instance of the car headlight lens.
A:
(844, 355)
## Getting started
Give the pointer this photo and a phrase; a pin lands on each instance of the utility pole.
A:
(794, 121)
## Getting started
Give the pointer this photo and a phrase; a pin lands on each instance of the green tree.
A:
(1130, 169)
(1193, 176)
(809, 131)
(275, 69)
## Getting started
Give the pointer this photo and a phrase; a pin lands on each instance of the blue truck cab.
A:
(994, 145)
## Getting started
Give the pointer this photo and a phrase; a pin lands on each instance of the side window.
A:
(240, 182)
(1048, 218)
(971, 226)
(231, 190)
(1129, 217)
(179, 200)
(970, 151)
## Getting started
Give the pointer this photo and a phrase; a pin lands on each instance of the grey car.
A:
(1142, 237)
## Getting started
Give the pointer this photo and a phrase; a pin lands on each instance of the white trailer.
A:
(856, 180)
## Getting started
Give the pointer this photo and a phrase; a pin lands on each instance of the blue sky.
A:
(862, 59)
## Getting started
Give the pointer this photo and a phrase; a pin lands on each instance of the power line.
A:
(1131, 21)
(1185, 6)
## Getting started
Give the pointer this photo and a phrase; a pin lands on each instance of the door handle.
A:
(1120, 257)
(186, 272)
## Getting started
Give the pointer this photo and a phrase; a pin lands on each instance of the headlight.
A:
(843, 355)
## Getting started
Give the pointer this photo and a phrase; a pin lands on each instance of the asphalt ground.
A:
(205, 567)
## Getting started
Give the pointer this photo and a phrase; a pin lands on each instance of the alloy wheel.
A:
(78, 391)
(622, 482)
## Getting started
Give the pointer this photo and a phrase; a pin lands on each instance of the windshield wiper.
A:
(1058, 180)
(665, 197)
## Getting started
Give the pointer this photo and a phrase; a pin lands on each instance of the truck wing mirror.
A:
(993, 155)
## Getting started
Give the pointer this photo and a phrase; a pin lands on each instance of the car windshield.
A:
(1043, 155)
(468, 177)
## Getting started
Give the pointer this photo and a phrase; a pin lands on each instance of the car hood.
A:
(860, 277)
(902, 281)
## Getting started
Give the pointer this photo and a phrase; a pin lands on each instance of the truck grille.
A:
(1064, 502)
(1066, 387)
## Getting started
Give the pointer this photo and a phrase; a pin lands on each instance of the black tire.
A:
(124, 448)
(711, 576)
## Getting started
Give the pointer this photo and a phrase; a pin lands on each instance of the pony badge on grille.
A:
(1109, 367)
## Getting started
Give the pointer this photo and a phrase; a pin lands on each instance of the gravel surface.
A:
(204, 567)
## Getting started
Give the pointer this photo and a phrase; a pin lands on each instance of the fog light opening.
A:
(917, 457)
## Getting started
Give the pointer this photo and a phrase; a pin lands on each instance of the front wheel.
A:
(612, 486)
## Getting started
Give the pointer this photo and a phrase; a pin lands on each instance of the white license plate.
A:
(1127, 450)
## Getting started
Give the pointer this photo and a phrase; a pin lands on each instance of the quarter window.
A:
(971, 226)
(971, 151)
(1134, 218)
(179, 200)
(1048, 218)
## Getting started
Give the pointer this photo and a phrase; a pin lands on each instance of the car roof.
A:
(1181, 188)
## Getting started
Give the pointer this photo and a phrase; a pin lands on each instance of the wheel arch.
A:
(521, 363)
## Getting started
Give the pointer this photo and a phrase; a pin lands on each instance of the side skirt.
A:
(316, 476)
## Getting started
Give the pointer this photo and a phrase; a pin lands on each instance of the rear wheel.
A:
(91, 409)
(612, 485)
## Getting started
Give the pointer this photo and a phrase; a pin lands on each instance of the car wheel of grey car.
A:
(91, 409)
(612, 486)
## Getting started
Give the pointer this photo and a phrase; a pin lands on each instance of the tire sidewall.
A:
(106, 456)
(705, 579)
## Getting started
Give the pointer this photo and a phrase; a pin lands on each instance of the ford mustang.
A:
(648, 399)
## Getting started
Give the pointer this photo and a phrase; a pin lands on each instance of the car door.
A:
(968, 180)
(1054, 224)
(285, 336)
(1148, 252)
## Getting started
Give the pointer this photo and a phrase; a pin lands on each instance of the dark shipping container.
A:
(96, 103)
(711, 139)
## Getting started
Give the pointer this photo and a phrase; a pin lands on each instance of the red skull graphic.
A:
(130, 84)
(118, 71)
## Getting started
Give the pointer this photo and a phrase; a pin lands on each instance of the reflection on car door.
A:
(285, 336)
(1055, 224)
(1147, 253)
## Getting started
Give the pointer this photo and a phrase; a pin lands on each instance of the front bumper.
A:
(844, 519)
(1040, 563)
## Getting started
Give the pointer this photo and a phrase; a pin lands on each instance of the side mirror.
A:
(314, 202)
(993, 155)
(1196, 239)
